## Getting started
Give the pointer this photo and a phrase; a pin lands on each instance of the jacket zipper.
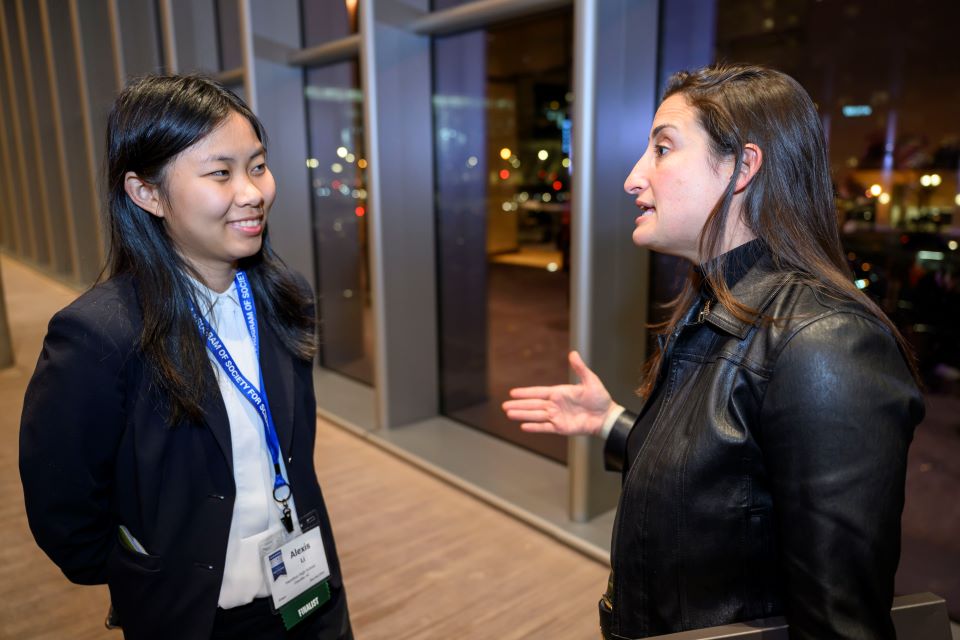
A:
(666, 368)
(704, 312)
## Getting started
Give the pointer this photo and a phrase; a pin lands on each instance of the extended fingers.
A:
(525, 404)
(539, 427)
(531, 392)
(527, 410)
(528, 416)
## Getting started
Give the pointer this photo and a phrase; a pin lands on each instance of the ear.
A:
(752, 159)
(144, 195)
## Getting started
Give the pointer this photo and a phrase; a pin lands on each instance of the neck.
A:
(740, 236)
(736, 234)
(217, 277)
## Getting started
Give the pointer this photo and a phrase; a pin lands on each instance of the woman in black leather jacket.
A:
(765, 473)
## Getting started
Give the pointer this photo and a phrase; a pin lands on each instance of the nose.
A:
(249, 193)
(636, 181)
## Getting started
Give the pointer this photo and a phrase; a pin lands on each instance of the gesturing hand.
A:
(567, 409)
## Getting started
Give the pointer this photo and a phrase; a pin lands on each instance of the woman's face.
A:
(218, 194)
(676, 182)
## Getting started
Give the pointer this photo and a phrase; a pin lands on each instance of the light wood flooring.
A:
(421, 559)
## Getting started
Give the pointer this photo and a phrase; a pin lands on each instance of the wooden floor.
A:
(420, 558)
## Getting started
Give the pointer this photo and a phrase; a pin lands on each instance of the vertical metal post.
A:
(24, 235)
(167, 28)
(91, 160)
(270, 31)
(6, 345)
(116, 40)
(38, 216)
(69, 232)
(582, 451)
(612, 114)
(80, 223)
(6, 184)
(247, 54)
(8, 133)
(395, 71)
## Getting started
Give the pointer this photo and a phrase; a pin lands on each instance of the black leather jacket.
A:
(771, 478)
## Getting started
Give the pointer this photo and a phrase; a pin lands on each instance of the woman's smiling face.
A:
(219, 192)
(677, 182)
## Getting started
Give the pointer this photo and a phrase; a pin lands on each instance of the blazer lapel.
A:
(214, 411)
(277, 368)
(216, 418)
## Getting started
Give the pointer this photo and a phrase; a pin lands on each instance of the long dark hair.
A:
(154, 119)
(789, 202)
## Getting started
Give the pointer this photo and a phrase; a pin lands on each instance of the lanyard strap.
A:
(281, 489)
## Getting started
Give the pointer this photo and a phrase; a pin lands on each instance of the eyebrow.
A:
(656, 130)
(261, 151)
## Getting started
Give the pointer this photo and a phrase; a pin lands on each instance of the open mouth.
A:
(645, 210)
(250, 225)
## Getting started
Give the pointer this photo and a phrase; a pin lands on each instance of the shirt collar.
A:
(211, 298)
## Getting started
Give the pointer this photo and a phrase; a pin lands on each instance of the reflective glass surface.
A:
(228, 33)
(326, 20)
(886, 79)
(502, 133)
(338, 189)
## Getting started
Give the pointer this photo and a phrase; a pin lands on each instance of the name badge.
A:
(297, 573)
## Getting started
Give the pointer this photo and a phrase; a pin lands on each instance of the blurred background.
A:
(450, 181)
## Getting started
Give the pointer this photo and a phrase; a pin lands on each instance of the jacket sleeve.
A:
(615, 446)
(72, 421)
(835, 425)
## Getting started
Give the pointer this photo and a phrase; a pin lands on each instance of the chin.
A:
(641, 239)
(248, 251)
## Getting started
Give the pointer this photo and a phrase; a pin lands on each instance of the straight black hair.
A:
(154, 119)
(788, 204)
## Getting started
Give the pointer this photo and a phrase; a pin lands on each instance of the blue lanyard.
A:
(281, 488)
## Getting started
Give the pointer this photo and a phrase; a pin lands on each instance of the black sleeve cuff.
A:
(615, 448)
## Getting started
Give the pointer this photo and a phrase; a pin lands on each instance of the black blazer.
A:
(96, 452)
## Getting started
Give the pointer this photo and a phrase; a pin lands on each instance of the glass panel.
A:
(502, 133)
(338, 188)
(239, 90)
(326, 20)
(228, 34)
(884, 76)
(894, 149)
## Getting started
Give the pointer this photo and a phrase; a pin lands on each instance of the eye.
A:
(659, 150)
(220, 173)
(259, 169)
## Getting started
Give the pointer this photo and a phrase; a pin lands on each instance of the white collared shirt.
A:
(255, 513)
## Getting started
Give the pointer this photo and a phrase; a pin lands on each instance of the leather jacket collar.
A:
(752, 280)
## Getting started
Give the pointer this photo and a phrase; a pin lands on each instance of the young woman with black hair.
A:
(765, 472)
(167, 438)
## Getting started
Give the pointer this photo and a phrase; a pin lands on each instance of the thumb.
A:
(580, 368)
